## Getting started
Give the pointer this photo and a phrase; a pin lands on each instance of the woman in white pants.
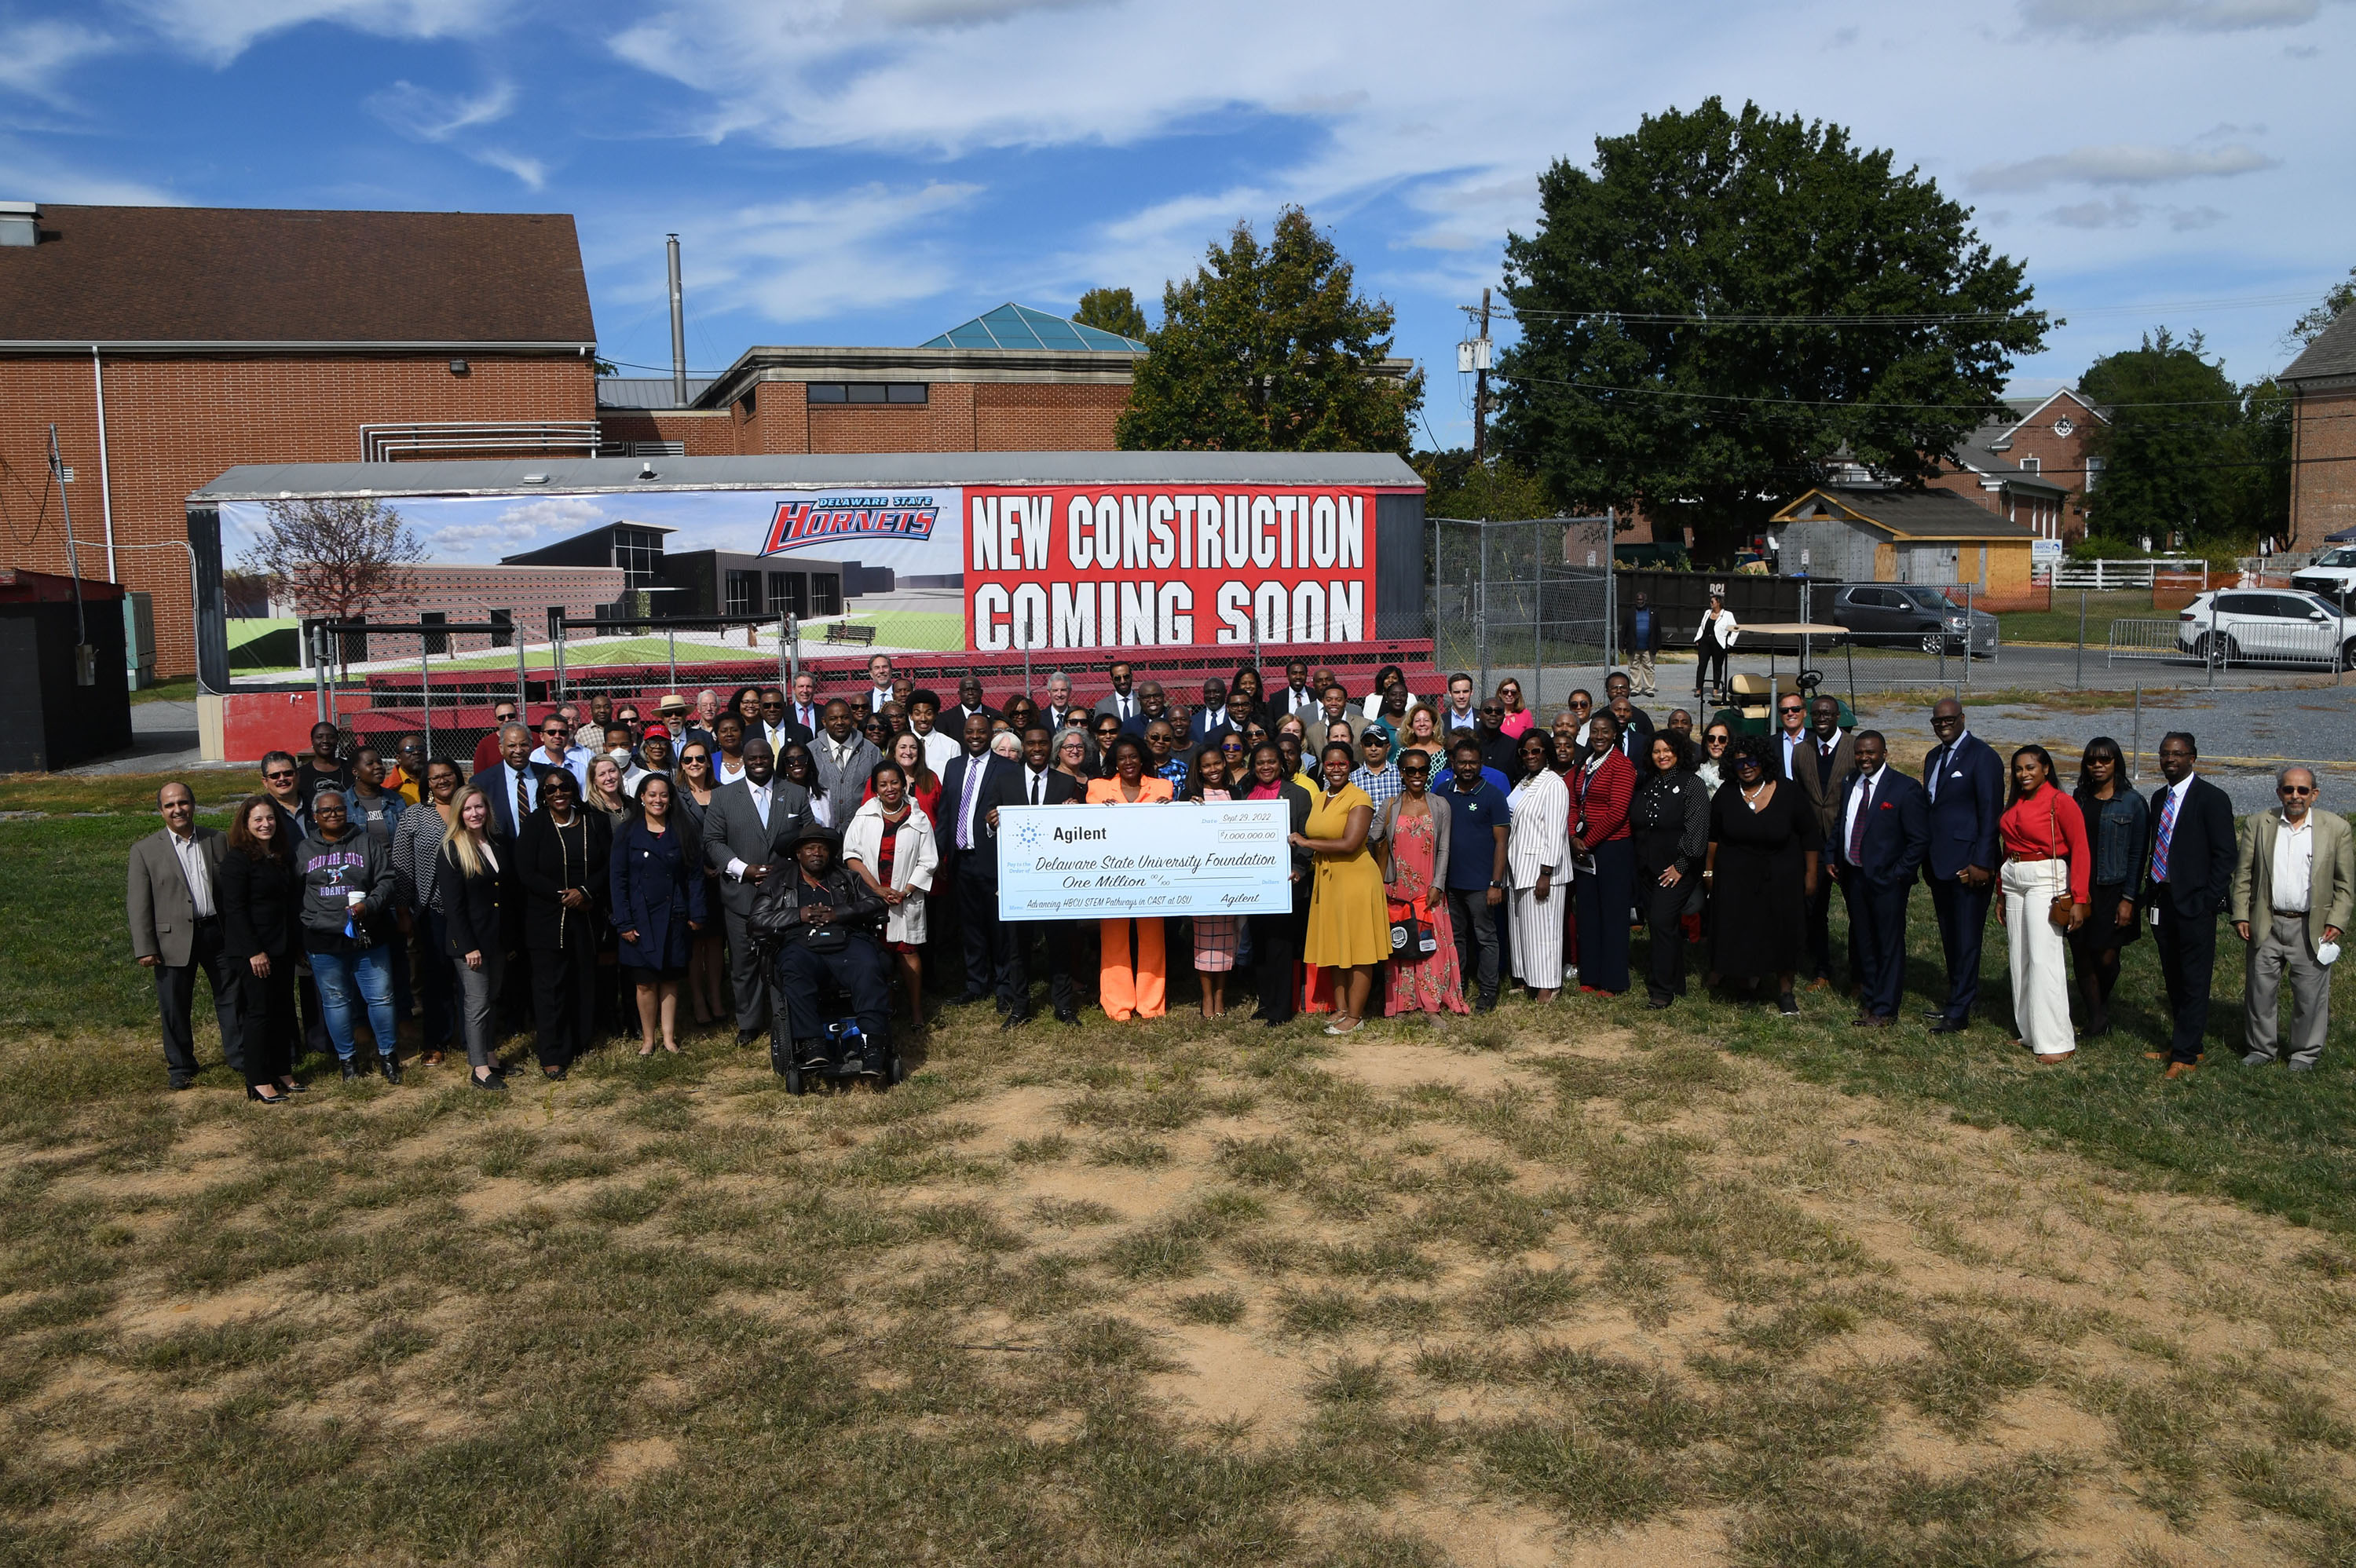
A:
(1536, 850)
(2046, 867)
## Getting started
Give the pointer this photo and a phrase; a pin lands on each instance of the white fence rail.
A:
(2249, 644)
(2102, 576)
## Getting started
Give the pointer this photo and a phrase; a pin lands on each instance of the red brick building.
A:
(2322, 381)
(470, 595)
(1013, 380)
(167, 344)
(2034, 468)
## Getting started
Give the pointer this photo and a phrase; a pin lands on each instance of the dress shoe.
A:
(1485, 1005)
(1067, 1016)
(2181, 1070)
(180, 1083)
(1015, 1019)
(2257, 1058)
(1934, 1015)
(491, 1083)
(1788, 1005)
(1657, 1004)
(745, 1037)
(814, 1056)
(429, 1059)
(1949, 1026)
(259, 1098)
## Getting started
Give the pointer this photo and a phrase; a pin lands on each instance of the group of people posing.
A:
(783, 860)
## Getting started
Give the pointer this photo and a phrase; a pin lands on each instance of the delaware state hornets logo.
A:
(800, 523)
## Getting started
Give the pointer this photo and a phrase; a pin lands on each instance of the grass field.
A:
(2060, 623)
(1571, 1284)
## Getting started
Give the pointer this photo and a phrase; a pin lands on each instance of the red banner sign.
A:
(1140, 566)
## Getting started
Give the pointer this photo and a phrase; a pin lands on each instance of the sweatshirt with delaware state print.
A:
(331, 871)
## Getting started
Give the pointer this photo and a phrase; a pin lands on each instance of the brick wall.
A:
(174, 425)
(958, 416)
(467, 594)
(705, 432)
(2323, 480)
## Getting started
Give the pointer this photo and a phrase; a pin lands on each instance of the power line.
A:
(1834, 403)
(1741, 319)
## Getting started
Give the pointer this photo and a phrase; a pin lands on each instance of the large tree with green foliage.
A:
(1456, 484)
(2184, 450)
(1726, 307)
(2311, 322)
(1111, 310)
(1269, 349)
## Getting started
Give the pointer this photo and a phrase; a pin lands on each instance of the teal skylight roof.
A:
(1020, 326)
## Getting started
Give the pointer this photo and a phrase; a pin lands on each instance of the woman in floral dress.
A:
(1415, 840)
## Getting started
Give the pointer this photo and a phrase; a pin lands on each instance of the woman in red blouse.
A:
(1601, 783)
(2045, 862)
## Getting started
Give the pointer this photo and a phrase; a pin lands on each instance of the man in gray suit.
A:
(2293, 892)
(1123, 702)
(844, 758)
(175, 928)
(746, 833)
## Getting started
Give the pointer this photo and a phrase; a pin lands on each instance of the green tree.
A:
(1660, 361)
(2186, 451)
(2310, 325)
(1111, 310)
(1457, 487)
(1267, 349)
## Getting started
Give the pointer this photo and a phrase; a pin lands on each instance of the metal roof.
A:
(1013, 325)
(594, 475)
(647, 391)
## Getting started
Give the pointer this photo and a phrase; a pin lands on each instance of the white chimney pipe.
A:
(677, 329)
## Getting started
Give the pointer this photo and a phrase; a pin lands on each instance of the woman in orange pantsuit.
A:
(1127, 986)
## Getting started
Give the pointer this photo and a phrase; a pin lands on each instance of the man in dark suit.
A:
(1152, 703)
(1819, 769)
(2188, 872)
(1965, 780)
(513, 784)
(778, 725)
(969, 702)
(1620, 696)
(1298, 697)
(175, 928)
(1210, 721)
(746, 833)
(1036, 782)
(1884, 828)
(971, 857)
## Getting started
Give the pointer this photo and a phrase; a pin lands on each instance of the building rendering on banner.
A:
(1072, 551)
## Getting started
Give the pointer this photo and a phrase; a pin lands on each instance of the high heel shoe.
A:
(255, 1094)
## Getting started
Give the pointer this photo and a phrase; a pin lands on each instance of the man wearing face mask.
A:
(2293, 892)
(745, 830)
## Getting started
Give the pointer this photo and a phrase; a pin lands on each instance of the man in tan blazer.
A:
(2293, 890)
(172, 908)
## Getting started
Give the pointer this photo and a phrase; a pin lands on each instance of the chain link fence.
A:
(1531, 599)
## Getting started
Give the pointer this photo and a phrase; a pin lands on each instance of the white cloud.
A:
(2125, 212)
(532, 171)
(220, 30)
(2121, 164)
(527, 523)
(431, 116)
(2120, 18)
(35, 56)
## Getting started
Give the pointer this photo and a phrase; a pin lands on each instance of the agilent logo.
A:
(800, 523)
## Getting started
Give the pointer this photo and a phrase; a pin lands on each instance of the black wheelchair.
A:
(847, 1041)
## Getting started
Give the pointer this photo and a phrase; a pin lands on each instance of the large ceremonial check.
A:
(1091, 862)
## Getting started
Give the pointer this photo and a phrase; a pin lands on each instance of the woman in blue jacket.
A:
(658, 883)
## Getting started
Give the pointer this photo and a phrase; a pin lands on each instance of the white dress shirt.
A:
(877, 695)
(200, 881)
(2294, 864)
(969, 798)
(531, 777)
(760, 793)
(1035, 784)
(1938, 761)
(1792, 744)
(1860, 800)
(940, 749)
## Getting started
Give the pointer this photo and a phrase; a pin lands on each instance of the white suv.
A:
(2331, 575)
(2266, 626)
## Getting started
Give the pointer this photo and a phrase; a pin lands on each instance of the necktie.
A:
(1938, 766)
(965, 803)
(761, 803)
(523, 798)
(2159, 840)
(1824, 765)
(1857, 829)
(1038, 782)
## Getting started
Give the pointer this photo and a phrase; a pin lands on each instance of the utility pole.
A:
(1475, 355)
(1480, 385)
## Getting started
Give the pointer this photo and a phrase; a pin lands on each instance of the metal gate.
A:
(1530, 599)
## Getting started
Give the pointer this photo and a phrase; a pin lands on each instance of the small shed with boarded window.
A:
(1893, 535)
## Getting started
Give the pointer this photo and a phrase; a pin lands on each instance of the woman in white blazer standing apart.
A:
(1712, 639)
(890, 846)
(1537, 853)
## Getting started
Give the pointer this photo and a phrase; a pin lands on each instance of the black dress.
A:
(1759, 902)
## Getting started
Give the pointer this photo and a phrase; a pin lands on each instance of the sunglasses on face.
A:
(2294, 789)
(1493, 708)
(1791, 710)
(280, 776)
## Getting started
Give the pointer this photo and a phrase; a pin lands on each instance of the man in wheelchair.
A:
(821, 922)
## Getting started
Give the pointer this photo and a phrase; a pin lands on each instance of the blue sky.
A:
(872, 171)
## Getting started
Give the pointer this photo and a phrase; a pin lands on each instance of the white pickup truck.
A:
(2331, 575)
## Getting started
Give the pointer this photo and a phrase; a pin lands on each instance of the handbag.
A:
(2057, 913)
(1411, 936)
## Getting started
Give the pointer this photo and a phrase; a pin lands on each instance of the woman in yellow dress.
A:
(1349, 919)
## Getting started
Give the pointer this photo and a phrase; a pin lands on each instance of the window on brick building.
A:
(2032, 466)
(639, 553)
(2094, 471)
(869, 392)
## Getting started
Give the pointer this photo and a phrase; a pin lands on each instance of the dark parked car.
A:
(1905, 614)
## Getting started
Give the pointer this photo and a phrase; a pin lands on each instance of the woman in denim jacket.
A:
(2117, 827)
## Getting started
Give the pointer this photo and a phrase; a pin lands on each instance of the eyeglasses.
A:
(1794, 709)
(1580, 704)
(280, 776)
(1493, 708)
(1715, 739)
(2294, 789)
